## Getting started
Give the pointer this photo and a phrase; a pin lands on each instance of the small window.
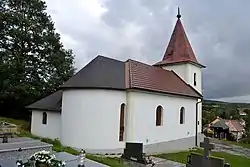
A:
(159, 116)
(182, 115)
(122, 124)
(194, 79)
(44, 118)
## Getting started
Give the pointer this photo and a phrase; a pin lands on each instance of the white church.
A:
(110, 102)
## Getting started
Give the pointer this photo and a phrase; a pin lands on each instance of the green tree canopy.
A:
(33, 62)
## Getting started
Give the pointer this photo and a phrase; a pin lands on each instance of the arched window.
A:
(44, 118)
(194, 79)
(122, 124)
(159, 116)
(182, 115)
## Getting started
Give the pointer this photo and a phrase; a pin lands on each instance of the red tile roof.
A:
(234, 125)
(147, 77)
(179, 49)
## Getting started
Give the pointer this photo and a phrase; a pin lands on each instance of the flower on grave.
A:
(42, 157)
(19, 162)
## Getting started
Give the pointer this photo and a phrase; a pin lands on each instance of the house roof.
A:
(147, 77)
(106, 73)
(234, 125)
(221, 123)
(52, 102)
(243, 112)
(101, 72)
(179, 49)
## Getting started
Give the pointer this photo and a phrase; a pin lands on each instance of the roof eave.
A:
(89, 87)
(43, 109)
(165, 92)
(162, 63)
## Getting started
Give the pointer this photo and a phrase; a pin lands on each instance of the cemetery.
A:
(205, 156)
(27, 152)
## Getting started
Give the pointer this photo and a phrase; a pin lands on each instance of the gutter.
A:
(196, 123)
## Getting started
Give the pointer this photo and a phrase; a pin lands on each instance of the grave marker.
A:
(134, 153)
(5, 139)
(207, 147)
(205, 160)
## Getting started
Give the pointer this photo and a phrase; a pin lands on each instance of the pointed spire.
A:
(179, 48)
(179, 13)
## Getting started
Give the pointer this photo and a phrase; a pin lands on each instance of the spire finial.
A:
(179, 13)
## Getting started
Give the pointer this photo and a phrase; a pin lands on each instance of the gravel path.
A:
(232, 149)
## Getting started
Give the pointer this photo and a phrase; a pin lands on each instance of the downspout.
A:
(196, 123)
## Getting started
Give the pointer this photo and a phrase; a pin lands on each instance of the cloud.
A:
(140, 29)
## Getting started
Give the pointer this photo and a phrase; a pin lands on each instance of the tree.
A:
(248, 122)
(33, 62)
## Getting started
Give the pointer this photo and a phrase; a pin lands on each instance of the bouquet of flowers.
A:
(41, 159)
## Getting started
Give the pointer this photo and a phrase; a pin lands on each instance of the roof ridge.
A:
(127, 74)
(152, 66)
(108, 58)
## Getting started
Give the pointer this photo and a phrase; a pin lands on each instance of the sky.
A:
(140, 29)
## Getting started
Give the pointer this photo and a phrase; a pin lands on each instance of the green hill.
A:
(211, 109)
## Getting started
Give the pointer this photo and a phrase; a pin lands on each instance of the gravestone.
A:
(5, 139)
(133, 155)
(207, 147)
(205, 160)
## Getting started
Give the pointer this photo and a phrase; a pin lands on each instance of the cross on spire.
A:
(179, 13)
(207, 147)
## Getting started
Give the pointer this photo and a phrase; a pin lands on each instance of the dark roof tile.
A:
(101, 72)
(51, 103)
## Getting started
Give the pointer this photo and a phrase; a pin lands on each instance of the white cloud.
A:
(140, 29)
(76, 17)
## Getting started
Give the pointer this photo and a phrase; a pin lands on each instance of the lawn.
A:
(234, 160)
(58, 147)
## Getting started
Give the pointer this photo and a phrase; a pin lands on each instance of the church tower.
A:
(180, 58)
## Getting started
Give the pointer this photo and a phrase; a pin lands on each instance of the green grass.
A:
(234, 160)
(58, 147)
(22, 125)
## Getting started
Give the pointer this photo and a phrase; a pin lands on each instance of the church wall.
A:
(90, 119)
(144, 107)
(179, 69)
(50, 130)
(186, 72)
(191, 70)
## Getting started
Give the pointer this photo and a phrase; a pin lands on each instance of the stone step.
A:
(21, 148)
